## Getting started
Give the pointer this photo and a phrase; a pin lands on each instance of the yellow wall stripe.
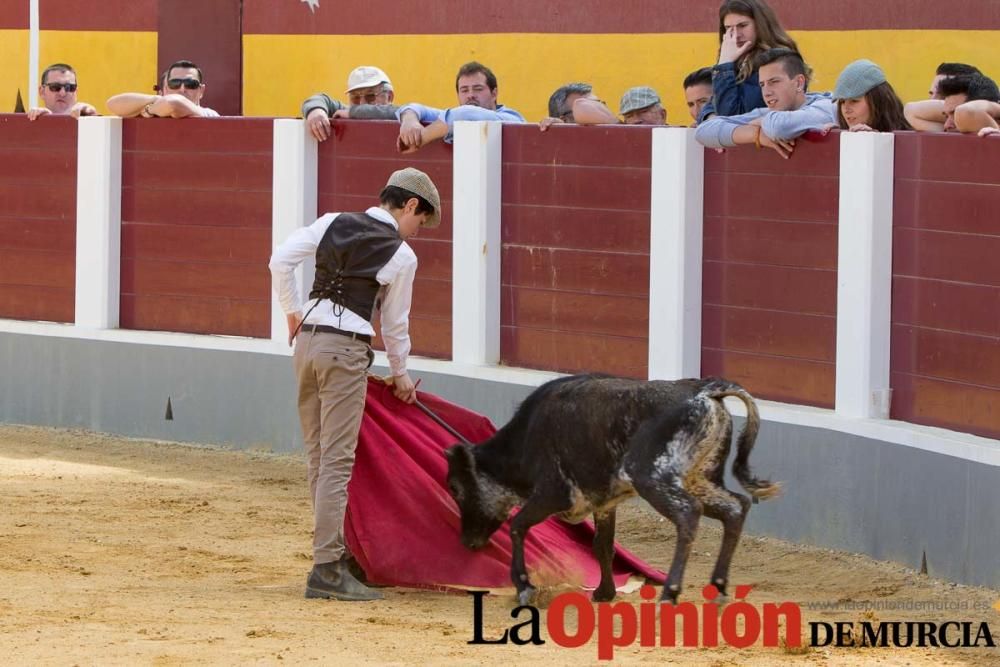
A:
(106, 63)
(279, 71)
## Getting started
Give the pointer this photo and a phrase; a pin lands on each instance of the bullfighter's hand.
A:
(404, 389)
(319, 124)
(293, 320)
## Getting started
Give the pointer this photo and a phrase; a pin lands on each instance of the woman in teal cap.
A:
(865, 100)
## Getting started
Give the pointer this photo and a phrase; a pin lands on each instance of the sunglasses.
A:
(57, 87)
(367, 98)
(190, 84)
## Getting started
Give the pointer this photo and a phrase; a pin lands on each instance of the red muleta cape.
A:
(403, 526)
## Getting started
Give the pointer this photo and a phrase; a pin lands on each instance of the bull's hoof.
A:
(669, 596)
(526, 595)
(603, 595)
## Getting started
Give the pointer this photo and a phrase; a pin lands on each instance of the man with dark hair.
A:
(967, 105)
(576, 103)
(181, 93)
(945, 70)
(363, 265)
(476, 87)
(58, 94)
(562, 98)
(369, 96)
(791, 110)
(698, 91)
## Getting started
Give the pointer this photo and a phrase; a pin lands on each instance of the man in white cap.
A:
(363, 264)
(369, 95)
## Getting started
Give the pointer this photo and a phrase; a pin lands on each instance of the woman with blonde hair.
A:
(747, 28)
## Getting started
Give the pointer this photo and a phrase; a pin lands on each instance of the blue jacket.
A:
(818, 110)
(465, 112)
(730, 98)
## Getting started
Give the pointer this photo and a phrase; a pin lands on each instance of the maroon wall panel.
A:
(575, 263)
(353, 168)
(769, 285)
(945, 363)
(196, 225)
(210, 34)
(37, 218)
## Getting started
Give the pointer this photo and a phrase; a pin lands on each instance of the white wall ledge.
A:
(928, 438)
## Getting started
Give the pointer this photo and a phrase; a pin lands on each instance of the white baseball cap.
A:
(366, 76)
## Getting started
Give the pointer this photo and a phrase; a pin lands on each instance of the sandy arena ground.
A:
(115, 551)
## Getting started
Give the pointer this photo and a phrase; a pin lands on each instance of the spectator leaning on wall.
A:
(183, 85)
(697, 92)
(58, 93)
(476, 87)
(866, 102)
(641, 106)
(563, 102)
(967, 105)
(790, 112)
(369, 95)
(945, 70)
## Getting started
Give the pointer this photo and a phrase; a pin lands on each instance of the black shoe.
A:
(333, 580)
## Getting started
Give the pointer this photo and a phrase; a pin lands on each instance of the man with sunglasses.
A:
(369, 94)
(363, 266)
(58, 93)
(181, 91)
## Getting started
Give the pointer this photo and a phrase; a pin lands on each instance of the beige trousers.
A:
(331, 372)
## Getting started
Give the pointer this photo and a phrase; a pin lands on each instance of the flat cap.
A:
(420, 184)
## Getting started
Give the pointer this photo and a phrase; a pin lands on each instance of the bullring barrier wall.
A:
(855, 479)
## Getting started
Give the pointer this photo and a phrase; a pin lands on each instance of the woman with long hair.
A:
(866, 102)
(747, 28)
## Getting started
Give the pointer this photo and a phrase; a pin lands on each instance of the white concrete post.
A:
(864, 274)
(98, 222)
(294, 202)
(675, 249)
(475, 285)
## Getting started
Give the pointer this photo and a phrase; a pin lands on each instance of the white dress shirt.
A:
(395, 295)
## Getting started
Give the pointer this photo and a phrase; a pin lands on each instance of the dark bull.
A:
(580, 445)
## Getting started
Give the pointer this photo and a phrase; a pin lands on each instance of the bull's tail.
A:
(758, 488)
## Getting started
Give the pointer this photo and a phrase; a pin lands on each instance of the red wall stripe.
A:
(342, 17)
(124, 15)
(14, 15)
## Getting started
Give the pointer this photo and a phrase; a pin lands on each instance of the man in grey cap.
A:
(641, 106)
(369, 94)
(363, 264)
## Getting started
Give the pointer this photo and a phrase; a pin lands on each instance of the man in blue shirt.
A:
(476, 86)
(790, 112)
